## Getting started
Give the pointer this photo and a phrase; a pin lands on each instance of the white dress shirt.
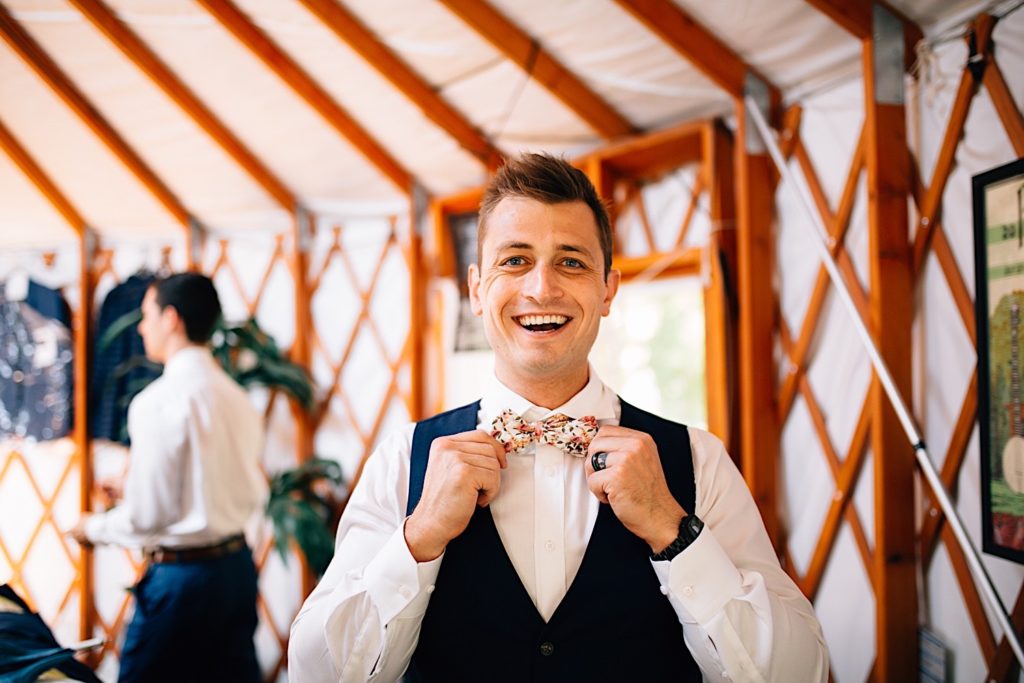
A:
(743, 618)
(194, 477)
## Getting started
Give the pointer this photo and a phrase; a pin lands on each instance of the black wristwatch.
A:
(689, 529)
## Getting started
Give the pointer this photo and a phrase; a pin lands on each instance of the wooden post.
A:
(302, 236)
(759, 428)
(418, 319)
(891, 315)
(83, 445)
(720, 287)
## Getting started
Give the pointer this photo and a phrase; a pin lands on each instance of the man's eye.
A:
(514, 261)
(573, 263)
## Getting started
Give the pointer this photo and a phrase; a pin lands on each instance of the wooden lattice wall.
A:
(845, 461)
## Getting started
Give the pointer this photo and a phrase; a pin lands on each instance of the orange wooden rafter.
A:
(161, 75)
(33, 54)
(696, 44)
(530, 56)
(34, 172)
(347, 26)
(260, 44)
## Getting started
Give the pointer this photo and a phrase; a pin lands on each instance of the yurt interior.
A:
(814, 262)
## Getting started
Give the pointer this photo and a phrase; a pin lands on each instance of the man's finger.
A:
(596, 482)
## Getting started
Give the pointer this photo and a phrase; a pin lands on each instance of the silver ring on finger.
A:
(599, 461)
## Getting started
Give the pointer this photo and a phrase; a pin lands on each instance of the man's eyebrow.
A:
(513, 245)
(572, 248)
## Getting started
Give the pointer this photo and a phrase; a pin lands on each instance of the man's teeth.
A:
(533, 320)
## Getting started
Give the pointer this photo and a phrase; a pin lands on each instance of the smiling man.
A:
(552, 531)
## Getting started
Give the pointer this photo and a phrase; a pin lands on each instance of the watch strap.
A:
(689, 529)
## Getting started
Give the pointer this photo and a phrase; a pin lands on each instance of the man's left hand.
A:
(633, 483)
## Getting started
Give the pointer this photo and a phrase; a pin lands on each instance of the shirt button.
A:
(664, 590)
(19, 376)
(549, 546)
(547, 648)
(430, 589)
(688, 591)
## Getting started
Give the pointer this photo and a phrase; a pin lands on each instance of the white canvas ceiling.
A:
(633, 70)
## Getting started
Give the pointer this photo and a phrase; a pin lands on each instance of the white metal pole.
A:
(921, 453)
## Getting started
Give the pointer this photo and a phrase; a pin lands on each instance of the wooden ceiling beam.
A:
(530, 56)
(857, 17)
(309, 90)
(696, 44)
(356, 35)
(33, 54)
(35, 173)
(161, 75)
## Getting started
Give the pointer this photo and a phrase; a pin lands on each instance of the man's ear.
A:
(171, 319)
(473, 275)
(611, 289)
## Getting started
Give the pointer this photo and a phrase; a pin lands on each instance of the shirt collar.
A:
(593, 399)
(187, 359)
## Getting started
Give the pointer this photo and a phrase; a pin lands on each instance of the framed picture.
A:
(999, 300)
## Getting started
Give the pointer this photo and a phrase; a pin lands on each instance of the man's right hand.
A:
(463, 472)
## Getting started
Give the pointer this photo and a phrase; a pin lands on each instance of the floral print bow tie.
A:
(561, 431)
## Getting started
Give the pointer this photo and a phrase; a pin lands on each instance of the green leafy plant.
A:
(252, 358)
(301, 508)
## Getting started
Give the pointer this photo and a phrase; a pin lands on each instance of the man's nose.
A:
(542, 283)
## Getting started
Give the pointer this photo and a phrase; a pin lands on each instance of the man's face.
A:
(540, 288)
(155, 327)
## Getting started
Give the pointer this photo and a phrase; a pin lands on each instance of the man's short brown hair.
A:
(547, 179)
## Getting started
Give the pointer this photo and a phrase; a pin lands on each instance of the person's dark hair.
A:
(195, 299)
(547, 179)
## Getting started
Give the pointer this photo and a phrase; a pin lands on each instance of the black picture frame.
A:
(998, 197)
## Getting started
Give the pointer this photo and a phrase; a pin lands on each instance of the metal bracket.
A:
(196, 239)
(757, 90)
(887, 55)
(419, 200)
(303, 230)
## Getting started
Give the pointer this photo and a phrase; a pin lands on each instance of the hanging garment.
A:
(112, 387)
(28, 648)
(36, 384)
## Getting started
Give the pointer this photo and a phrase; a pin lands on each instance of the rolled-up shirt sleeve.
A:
(362, 621)
(743, 617)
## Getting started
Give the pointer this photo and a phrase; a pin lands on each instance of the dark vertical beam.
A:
(388, 64)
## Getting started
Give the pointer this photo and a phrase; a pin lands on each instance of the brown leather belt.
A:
(228, 546)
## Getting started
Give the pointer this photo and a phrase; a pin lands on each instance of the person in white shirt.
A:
(193, 482)
(504, 541)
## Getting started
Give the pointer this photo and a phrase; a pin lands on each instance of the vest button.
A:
(547, 648)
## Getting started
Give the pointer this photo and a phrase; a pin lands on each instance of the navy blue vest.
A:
(613, 624)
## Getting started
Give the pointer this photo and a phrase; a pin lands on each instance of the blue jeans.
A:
(194, 621)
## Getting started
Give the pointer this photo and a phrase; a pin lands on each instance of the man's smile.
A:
(542, 323)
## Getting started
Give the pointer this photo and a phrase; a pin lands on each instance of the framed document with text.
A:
(999, 307)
